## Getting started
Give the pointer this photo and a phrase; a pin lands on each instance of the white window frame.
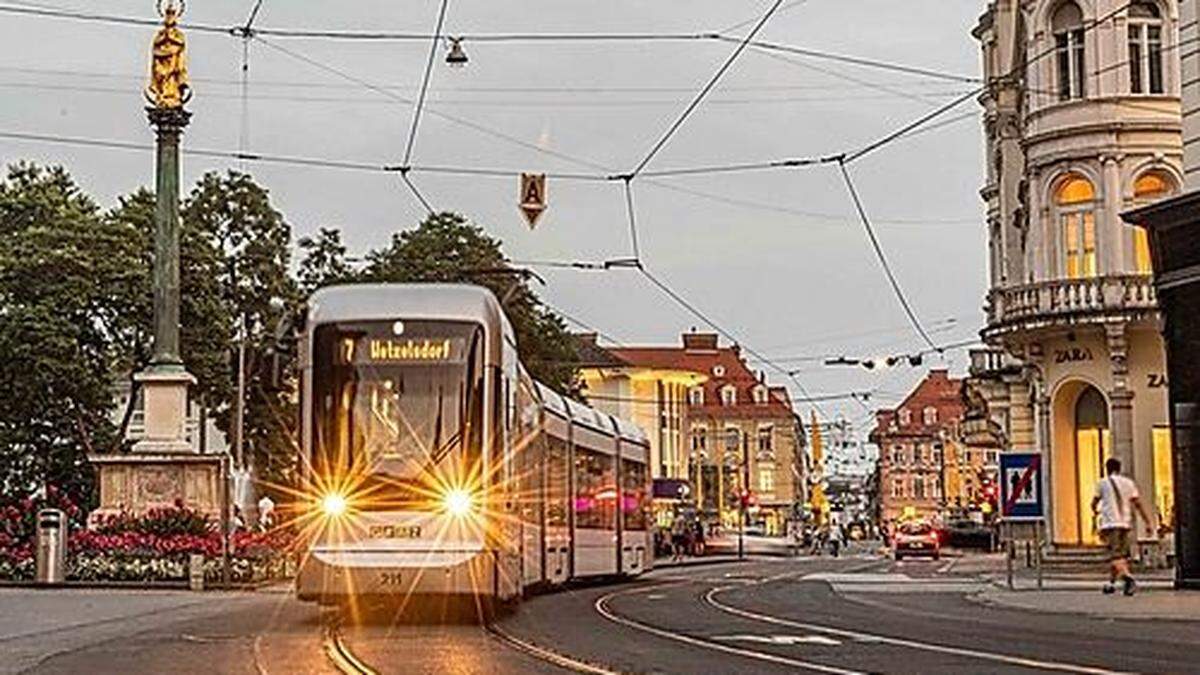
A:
(729, 395)
(1070, 59)
(905, 417)
(930, 416)
(1141, 66)
(696, 396)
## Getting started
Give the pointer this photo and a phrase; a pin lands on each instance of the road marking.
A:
(545, 654)
(258, 656)
(783, 639)
(655, 596)
(601, 606)
(710, 598)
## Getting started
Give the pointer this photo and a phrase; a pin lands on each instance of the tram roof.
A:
(445, 302)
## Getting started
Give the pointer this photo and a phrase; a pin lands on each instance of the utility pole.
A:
(745, 496)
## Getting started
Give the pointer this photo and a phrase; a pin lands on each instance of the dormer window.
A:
(696, 396)
(905, 417)
(760, 394)
(931, 416)
(729, 395)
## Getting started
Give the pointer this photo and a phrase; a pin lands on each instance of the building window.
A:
(897, 454)
(937, 455)
(728, 395)
(765, 438)
(905, 417)
(1145, 49)
(919, 487)
(733, 440)
(1075, 199)
(760, 394)
(897, 488)
(1068, 31)
(699, 440)
(1149, 187)
(696, 396)
(931, 416)
(1164, 480)
(766, 479)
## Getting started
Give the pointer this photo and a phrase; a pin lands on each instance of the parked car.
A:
(968, 534)
(917, 538)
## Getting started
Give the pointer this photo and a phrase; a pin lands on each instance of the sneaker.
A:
(1130, 586)
(1109, 589)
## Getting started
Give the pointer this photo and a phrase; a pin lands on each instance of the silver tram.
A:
(435, 465)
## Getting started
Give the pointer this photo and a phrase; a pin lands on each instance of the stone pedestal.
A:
(136, 482)
(163, 468)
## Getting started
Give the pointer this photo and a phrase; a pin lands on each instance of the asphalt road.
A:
(852, 615)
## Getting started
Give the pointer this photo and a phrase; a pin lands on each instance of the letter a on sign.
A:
(533, 197)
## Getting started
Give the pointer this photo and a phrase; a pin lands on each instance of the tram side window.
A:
(596, 494)
(557, 488)
(635, 505)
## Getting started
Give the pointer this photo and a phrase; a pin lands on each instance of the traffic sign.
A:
(1021, 495)
(533, 197)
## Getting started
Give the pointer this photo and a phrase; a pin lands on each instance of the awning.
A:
(676, 489)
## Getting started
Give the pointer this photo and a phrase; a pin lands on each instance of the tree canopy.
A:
(76, 312)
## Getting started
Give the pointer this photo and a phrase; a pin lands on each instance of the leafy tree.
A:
(68, 280)
(324, 261)
(446, 248)
(232, 217)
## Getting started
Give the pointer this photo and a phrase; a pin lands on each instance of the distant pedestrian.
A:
(698, 538)
(679, 537)
(266, 513)
(837, 537)
(1114, 503)
(237, 523)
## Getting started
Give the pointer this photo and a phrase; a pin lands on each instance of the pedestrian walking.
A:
(698, 538)
(679, 536)
(837, 536)
(1114, 503)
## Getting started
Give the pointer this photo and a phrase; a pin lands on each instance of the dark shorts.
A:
(1119, 541)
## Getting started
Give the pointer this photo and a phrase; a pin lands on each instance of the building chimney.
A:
(700, 341)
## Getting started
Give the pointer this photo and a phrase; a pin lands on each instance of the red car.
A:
(917, 539)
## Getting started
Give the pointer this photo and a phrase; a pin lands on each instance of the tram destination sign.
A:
(369, 350)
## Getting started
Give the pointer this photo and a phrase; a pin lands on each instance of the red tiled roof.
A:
(938, 390)
(703, 355)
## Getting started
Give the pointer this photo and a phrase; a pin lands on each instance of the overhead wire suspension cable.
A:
(662, 141)
(416, 120)
(887, 268)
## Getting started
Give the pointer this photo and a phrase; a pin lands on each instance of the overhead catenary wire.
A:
(879, 254)
(416, 117)
(712, 82)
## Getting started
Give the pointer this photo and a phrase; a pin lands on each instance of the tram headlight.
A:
(458, 502)
(333, 505)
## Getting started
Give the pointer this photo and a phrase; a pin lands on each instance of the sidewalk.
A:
(1155, 600)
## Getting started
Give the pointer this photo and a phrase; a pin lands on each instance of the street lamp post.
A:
(745, 496)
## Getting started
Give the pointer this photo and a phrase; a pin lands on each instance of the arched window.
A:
(1067, 26)
(1145, 48)
(1075, 200)
(1149, 187)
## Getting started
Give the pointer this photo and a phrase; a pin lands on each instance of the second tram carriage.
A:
(437, 466)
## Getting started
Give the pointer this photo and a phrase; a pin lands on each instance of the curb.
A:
(138, 585)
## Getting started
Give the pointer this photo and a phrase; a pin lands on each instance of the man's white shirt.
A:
(1116, 511)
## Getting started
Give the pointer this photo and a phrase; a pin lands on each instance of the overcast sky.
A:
(787, 268)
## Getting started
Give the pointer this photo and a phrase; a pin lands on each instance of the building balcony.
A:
(1065, 302)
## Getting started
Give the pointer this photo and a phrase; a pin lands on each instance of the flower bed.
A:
(154, 547)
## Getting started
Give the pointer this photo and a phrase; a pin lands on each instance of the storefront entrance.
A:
(1082, 443)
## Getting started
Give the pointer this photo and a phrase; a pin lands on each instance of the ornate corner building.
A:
(1082, 122)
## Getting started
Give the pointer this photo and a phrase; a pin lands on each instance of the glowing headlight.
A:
(333, 504)
(458, 502)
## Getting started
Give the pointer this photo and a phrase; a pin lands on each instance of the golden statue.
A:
(169, 86)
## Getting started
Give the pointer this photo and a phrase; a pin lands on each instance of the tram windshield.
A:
(398, 399)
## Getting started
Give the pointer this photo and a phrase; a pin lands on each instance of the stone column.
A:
(1110, 231)
(1120, 398)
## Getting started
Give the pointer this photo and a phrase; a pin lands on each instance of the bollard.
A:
(51, 546)
(196, 571)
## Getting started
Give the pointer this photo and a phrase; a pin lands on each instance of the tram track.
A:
(339, 654)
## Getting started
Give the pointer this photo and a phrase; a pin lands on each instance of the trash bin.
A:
(51, 546)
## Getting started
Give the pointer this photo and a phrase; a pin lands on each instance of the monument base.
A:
(139, 481)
